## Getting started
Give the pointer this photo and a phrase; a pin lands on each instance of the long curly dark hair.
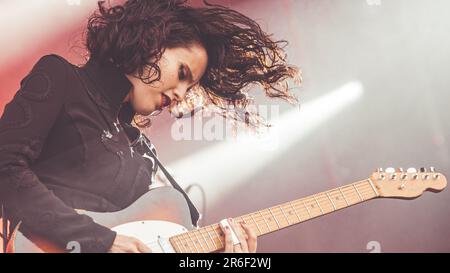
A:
(133, 37)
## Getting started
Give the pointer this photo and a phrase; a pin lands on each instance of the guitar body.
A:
(153, 218)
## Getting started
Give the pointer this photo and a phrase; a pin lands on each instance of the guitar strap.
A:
(144, 142)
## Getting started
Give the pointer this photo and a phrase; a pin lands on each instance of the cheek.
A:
(144, 99)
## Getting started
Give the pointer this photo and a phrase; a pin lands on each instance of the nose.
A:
(180, 92)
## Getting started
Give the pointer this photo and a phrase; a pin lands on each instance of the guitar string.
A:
(206, 231)
(308, 198)
(319, 197)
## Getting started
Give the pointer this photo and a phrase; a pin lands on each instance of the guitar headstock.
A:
(409, 184)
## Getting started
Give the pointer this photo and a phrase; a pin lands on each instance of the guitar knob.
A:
(433, 170)
(390, 170)
(411, 170)
(423, 170)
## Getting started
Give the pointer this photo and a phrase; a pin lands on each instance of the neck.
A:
(127, 98)
(211, 238)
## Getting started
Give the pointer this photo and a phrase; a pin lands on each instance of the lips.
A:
(165, 101)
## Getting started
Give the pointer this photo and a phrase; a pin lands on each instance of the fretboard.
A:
(210, 238)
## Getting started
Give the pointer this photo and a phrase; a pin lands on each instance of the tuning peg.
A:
(399, 170)
(411, 170)
(380, 172)
(390, 170)
(393, 176)
(404, 176)
(432, 170)
(423, 170)
(425, 176)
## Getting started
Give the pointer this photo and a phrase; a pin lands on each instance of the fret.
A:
(337, 199)
(307, 209)
(343, 195)
(285, 216)
(198, 240)
(219, 236)
(202, 234)
(359, 194)
(370, 193)
(314, 196)
(352, 197)
(212, 239)
(331, 200)
(183, 247)
(264, 219)
(367, 191)
(295, 211)
(326, 202)
(273, 216)
(190, 238)
(178, 245)
(373, 187)
(195, 241)
(186, 243)
(241, 219)
(256, 223)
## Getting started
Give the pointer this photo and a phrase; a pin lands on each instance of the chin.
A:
(144, 111)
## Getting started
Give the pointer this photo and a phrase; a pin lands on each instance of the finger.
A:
(143, 248)
(132, 248)
(228, 240)
(240, 234)
(251, 238)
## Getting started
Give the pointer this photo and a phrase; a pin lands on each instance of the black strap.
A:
(195, 215)
(144, 141)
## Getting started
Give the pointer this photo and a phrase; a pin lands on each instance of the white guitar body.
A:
(153, 218)
(155, 234)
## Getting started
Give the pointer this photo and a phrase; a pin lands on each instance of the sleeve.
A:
(24, 126)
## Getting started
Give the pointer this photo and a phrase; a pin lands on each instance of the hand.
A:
(125, 244)
(246, 236)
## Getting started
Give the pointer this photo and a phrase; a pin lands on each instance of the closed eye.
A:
(182, 75)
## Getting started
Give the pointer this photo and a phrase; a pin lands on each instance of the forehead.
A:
(190, 53)
(194, 56)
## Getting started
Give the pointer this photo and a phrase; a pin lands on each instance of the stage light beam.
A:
(222, 168)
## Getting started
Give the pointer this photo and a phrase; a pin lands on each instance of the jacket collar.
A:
(113, 85)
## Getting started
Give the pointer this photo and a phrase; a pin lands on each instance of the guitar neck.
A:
(210, 238)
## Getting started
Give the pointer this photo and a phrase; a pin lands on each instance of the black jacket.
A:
(62, 146)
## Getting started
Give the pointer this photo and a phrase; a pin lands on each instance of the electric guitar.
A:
(161, 219)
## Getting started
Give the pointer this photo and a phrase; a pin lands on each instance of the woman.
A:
(62, 138)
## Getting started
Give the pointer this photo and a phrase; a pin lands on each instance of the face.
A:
(181, 69)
